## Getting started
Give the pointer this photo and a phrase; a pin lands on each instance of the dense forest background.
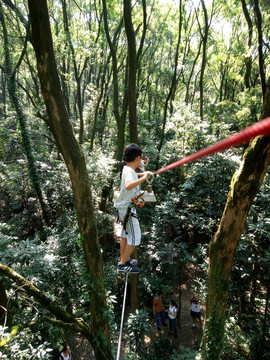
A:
(175, 77)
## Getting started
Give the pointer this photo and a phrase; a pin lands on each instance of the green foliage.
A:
(136, 328)
(183, 353)
(26, 346)
(190, 199)
(236, 341)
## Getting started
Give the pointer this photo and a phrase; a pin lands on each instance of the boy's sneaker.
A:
(127, 267)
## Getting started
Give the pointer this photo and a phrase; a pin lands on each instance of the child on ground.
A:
(195, 310)
(172, 312)
(130, 235)
(65, 353)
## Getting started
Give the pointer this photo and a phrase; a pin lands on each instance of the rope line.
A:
(260, 128)
(122, 319)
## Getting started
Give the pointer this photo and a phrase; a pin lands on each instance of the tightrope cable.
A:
(122, 319)
(260, 128)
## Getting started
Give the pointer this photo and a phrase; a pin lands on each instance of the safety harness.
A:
(138, 202)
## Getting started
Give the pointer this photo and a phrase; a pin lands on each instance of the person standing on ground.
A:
(130, 233)
(172, 313)
(195, 310)
(158, 310)
(65, 353)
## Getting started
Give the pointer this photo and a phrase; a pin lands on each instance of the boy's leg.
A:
(133, 239)
(128, 243)
(127, 252)
(123, 244)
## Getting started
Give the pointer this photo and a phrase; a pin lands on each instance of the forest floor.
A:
(187, 336)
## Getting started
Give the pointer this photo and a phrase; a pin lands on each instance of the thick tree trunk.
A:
(245, 184)
(68, 146)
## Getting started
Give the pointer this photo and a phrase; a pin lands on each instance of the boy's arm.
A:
(129, 185)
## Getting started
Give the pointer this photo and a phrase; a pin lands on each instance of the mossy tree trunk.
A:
(245, 184)
(68, 146)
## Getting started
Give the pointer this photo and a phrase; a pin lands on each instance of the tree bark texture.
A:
(245, 184)
(68, 146)
(132, 72)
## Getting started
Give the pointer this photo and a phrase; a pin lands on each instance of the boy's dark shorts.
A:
(195, 314)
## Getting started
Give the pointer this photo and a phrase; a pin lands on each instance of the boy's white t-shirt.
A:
(126, 196)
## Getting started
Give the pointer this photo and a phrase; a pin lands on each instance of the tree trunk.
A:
(3, 301)
(205, 38)
(134, 281)
(245, 184)
(120, 120)
(68, 146)
(187, 96)
(173, 83)
(248, 59)
(132, 72)
(260, 45)
(78, 75)
(3, 103)
(253, 286)
(264, 325)
(12, 89)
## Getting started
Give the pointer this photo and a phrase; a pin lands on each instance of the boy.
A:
(130, 235)
(195, 310)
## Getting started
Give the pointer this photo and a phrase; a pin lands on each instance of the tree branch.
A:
(17, 328)
(64, 317)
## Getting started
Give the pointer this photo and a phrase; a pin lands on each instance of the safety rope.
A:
(260, 128)
(122, 319)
